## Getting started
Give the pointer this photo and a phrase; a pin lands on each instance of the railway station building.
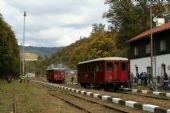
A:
(140, 51)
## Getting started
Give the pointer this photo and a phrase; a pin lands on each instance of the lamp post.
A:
(23, 48)
(153, 65)
(151, 41)
(20, 63)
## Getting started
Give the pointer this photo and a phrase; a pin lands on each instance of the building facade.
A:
(140, 51)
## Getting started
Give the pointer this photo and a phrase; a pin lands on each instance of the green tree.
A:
(168, 11)
(130, 19)
(9, 51)
(97, 28)
(102, 45)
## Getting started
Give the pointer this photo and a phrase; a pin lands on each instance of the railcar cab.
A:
(116, 74)
(55, 75)
(107, 72)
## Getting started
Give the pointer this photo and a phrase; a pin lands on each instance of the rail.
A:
(89, 100)
(14, 101)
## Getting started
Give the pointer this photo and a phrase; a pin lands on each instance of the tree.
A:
(97, 28)
(100, 43)
(9, 51)
(130, 19)
(168, 11)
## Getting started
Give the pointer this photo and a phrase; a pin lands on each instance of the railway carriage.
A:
(107, 72)
(55, 75)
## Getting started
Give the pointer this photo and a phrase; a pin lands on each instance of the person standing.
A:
(165, 82)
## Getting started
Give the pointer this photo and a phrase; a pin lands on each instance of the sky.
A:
(52, 23)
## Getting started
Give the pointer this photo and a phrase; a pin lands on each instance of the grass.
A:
(31, 98)
(5, 97)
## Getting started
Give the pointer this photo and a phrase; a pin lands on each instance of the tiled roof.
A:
(154, 30)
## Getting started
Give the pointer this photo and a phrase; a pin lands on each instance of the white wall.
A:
(143, 63)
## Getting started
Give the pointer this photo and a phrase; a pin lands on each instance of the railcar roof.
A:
(105, 59)
(55, 69)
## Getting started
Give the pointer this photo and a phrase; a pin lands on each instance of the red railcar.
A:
(55, 75)
(107, 72)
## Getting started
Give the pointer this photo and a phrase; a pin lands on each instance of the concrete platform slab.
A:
(168, 94)
(82, 92)
(88, 93)
(96, 95)
(149, 107)
(144, 91)
(105, 97)
(156, 93)
(130, 103)
(116, 100)
(134, 90)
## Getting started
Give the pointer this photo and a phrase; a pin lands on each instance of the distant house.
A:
(140, 51)
(30, 74)
(31, 57)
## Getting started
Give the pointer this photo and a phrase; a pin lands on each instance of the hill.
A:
(42, 51)
(100, 43)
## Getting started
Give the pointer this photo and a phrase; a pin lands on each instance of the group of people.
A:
(143, 78)
(22, 79)
(146, 79)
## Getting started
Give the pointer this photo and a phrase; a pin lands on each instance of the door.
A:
(109, 71)
(116, 71)
(163, 70)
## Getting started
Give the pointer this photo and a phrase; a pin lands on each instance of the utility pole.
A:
(151, 41)
(21, 62)
(23, 48)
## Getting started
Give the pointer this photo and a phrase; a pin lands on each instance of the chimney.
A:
(160, 21)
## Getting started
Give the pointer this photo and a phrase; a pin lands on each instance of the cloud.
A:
(52, 22)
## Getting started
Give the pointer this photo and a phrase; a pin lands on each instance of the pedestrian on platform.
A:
(72, 80)
(165, 82)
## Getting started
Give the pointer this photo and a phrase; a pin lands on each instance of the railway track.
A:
(141, 103)
(87, 105)
(14, 101)
(136, 94)
(146, 95)
(72, 104)
(141, 98)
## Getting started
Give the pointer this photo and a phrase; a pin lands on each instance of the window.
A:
(148, 50)
(123, 66)
(136, 51)
(101, 67)
(89, 68)
(97, 68)
(148, 70)
(109, 66)
(162, 45)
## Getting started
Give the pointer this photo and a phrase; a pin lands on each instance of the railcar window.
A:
(97, 68)
(123, 66)
(109, 66)
(86, 68)
(101, 67)
(83, 68)
(89, 68)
